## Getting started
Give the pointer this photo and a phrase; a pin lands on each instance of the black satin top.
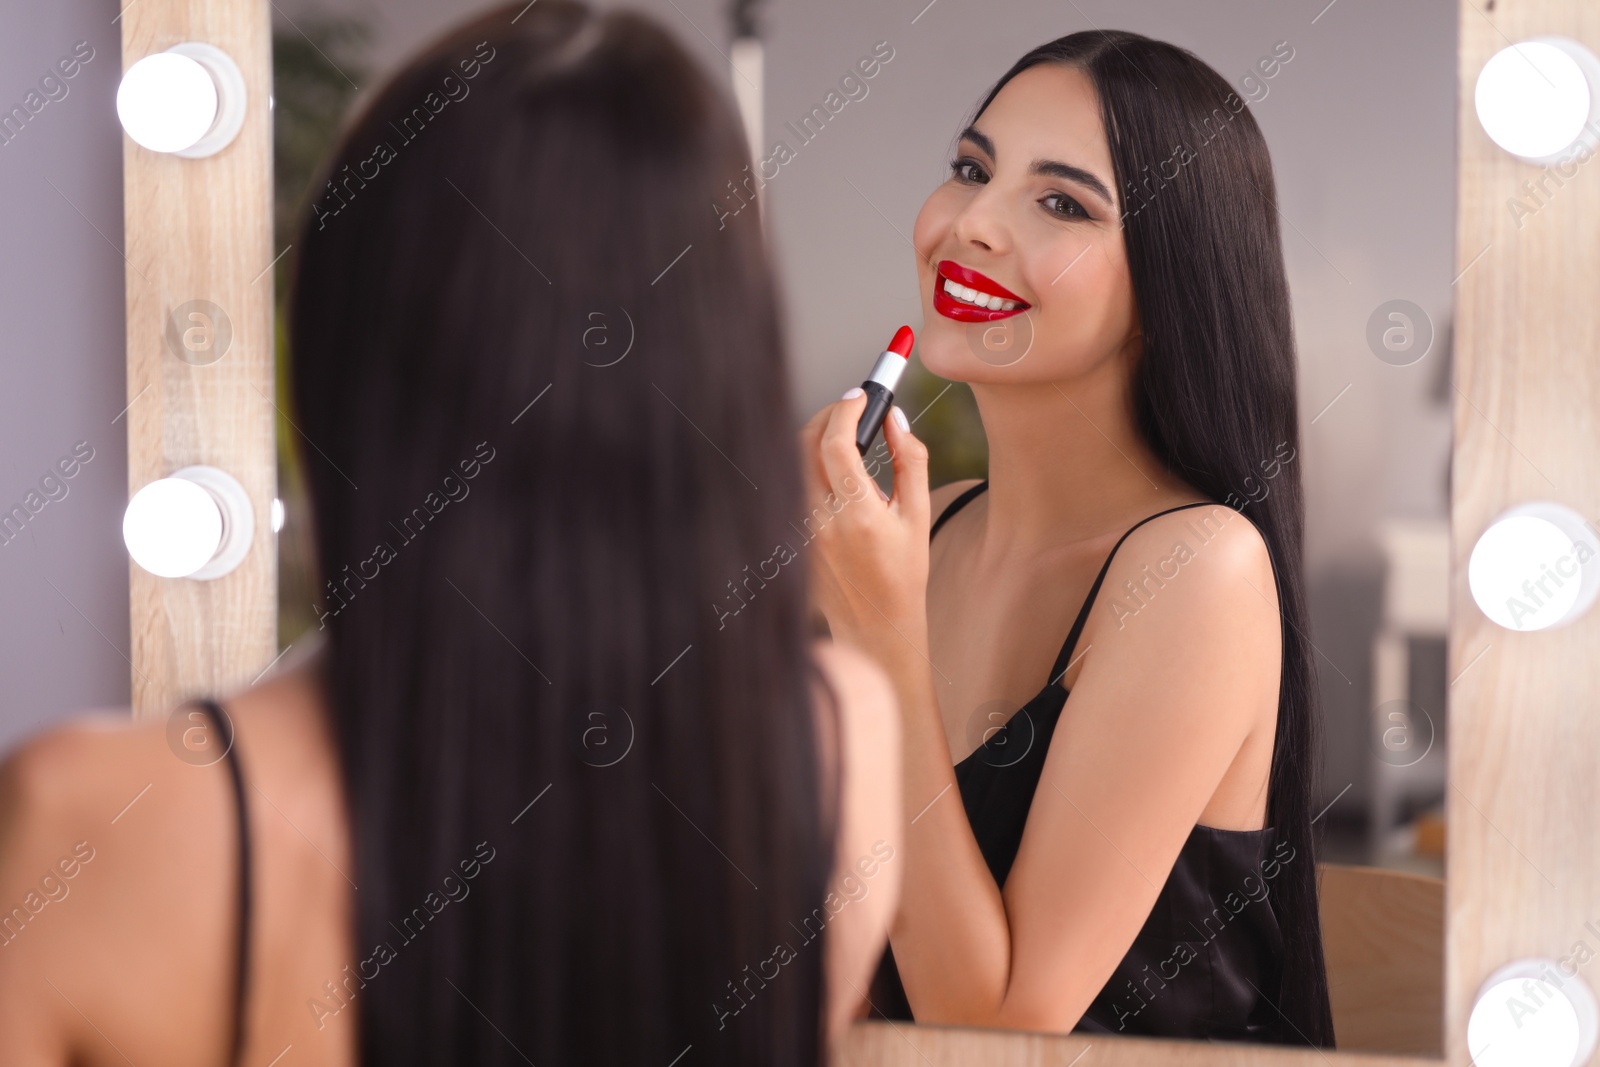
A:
(1207, 962)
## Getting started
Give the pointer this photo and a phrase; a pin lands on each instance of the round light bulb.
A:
(172, 527)
(167, 102)
(1535, 567)
(198, 523)
(1532, 1013)
(188, 100)
(1536, 98)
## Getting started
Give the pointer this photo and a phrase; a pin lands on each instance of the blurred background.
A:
(1361, 123)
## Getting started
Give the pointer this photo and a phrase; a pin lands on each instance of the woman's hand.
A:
(869, 573)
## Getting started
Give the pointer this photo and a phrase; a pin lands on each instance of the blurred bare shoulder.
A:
(868, 708)
(69, 826)
(118, 856)
(67, 775)
(869, 828)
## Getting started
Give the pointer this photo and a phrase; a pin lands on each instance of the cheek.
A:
(930, 229)
(943, 344)
(1085, 316)
(1090, 304)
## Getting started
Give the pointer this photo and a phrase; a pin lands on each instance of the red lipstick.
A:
(972, 287)
(880, 384)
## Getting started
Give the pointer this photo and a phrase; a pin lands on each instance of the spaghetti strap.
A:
(1063, 658)
(224, 732)
(956, 505)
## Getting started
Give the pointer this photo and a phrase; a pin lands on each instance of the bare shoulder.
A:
(117, 839)
(76, 889)
(867, 707)
(940, 498)
(105, 784)
(869, 745)
(90, 787)
(868, 825)
(78, 771)
(74, 768)
(1214, 543)
(92, 767)
(861, 731)
(1200, 582)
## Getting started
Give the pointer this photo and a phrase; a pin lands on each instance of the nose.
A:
(981, 225)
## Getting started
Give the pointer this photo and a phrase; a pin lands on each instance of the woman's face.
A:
(1030, 213)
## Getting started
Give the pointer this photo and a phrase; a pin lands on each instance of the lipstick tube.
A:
(879, 387)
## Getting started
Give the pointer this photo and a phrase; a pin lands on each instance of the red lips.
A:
(950, 307)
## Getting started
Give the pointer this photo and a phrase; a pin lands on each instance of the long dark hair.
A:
(538, 375)
(1215, 387)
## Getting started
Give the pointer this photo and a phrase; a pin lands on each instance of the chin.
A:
(949, 358)
(943, 350)
(948, 349)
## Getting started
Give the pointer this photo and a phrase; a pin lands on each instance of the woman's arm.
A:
(866, 880)
(1155, 719)
(870, 581)
(1158, 713)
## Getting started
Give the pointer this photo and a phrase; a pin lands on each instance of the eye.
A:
(967, 169)
(1069, 209)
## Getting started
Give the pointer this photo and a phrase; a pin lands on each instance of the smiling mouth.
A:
(977, 298)
(988, 301)
(965, 295)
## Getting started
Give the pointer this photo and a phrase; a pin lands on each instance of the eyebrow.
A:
(1049, 167)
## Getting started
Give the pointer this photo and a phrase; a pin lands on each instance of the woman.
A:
(1103, 266)
(542, 796)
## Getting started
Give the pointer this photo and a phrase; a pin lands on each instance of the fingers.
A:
(910, 468)
(813, 427)
(846, 474)
(809, 441)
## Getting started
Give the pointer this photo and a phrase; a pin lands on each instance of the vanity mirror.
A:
(1437, 220)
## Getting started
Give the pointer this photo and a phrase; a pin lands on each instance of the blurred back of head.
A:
(545, 427)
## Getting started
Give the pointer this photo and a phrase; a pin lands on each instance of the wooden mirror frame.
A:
(1522, 803)
(201, 229)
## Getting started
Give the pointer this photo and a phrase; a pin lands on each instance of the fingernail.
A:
(851, 393)
(900, 419)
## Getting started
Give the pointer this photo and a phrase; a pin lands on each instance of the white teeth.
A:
(983, 300)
